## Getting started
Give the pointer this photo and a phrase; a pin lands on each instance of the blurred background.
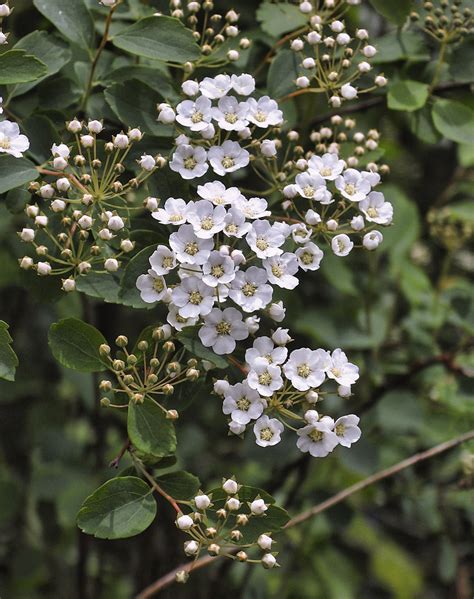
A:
(404, 314)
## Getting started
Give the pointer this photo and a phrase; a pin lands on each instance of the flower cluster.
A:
(333, 60)
(12, 141)
(80, 220)
(5, 11)
(282, 388)
(221, 107)
(151, 370)
(230, 521)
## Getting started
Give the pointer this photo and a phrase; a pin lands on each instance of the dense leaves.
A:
(19, 66)
(8, 359)
(149, 430)
(72, 19)
(15, 172)
(75, 344)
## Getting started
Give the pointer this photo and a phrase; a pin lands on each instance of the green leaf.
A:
(149, 430)
(454, 120)
(151, 76)
(72, 19)
(54, 53)
(280, 18)
(17, 66)
(196, 348)
(15, 172)
(393, 10)
(461, 62)
(401, 45)
(137, 266)
(407, 95)
(282, 74)
(463, 211)
(159, 38)
(400, 237)
(399, 412)
(181, 485)
(134, 103)
(75, 344)
(102, 286)
(8, 359)
(122, 507)
(421, 124)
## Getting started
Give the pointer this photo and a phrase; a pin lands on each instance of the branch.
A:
(202, 562)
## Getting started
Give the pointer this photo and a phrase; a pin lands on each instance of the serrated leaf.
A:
(454, 120)
(18, 66)
(149, 430)
(72, 19)
(159, 38)
(75, 344)
(280, 18)
(181, 485)
(8, 358)
(15, 172)
(407, 95)
(122, 507)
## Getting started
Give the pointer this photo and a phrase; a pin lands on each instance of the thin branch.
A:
(202, 562)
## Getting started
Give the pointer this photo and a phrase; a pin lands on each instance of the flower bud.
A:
(230, 486)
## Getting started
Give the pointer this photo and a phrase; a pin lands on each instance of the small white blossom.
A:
(196, 115)
(264, 112)
(341, 245)
(189, 248)
(376, 209)
(258, 507)
(306, 368)
(189, 161)
(347, 430)
(216, 87)
(372, 240)
(341, 370)
(267, 431)
(264, 348)
(162, 260)
(173, 212)
(242, 403)
(193, 297)
(317, 438)
(152, 287)
(221, 329)
(228, 157)
(309, 256)
(250, 290)
(265, 378)
(11, 140)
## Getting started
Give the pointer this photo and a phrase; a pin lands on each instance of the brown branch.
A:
(202, 562)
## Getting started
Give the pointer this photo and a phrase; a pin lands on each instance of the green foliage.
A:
(8, 359)
(15, 172)
(282, 73)
(149, 430)
(454, 120)
(75, 344)
(277, 19)
(188, 339)
(18, 66)
(181, 485)
(393, 10)
(122, 507)
(158, 38)
(72, 19)
(407, 95)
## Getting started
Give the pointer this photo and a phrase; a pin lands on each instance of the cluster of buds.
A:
(447, 21)
(218, 525)
(333, 60)
(83, 204)
(5, 11)
(212, 30)
(151, 370)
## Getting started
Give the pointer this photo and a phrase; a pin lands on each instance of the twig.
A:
(155, 485)
(116, 461)
(202, 562)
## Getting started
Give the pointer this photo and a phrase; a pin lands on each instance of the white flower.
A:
(280, 270)
(217, 193)
(235, 224)
(166, 114)
(357, 222)
(252, 323)
(243, 84)
(268, 148)
(264, 239)
(184, 522)
(264, 112)
(202, 501)
(348, 91)
(230, 114)
(152, 287)
(312, 187)
(258, 507)
(252, 208)
(347, 430)
(317, 438)
(267, 431)
(277, 312)
(372, 240)
(85, 222)
(190, 87)
(173, 212)
(221, 329)
(60, 150)
(5, 11)
(233, 504)
(216, 87)
(341, 370)
(162, 260)
(121, 141)
(281, 336)
(376, 209)
(177, 321)
(243, 403)
(115, 223)
(305, 7)
(206, 219)
(189, 162)
(264, 377)
(327, 166)
(300, 233)
(193, 297)
(264, 348)
(312, 217)
(230, 486)
(63, 184)
(27, 234)
(219, 269)
(236, 428)
(111, 265)
(147, 162)
(190, 547)
(369, 51)
(11, 141)
(265, 542)
(250, 290)
(341, 245)
(353, 185)
(228, 157)
(189, 248)
(95, 126)
(43, 268)
(306, 368)
(309, 256)
(269, 560)
(195, 115)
